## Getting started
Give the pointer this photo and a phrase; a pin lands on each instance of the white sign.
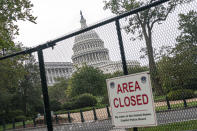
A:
(131, 101)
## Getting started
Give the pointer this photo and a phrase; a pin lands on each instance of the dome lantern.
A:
(83, 21)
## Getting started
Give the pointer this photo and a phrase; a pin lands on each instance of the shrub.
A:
(98, 106)
(20, 118)
(55, 105)
(85, 100)
(105, 99)
(80, 101)
(180, 94)
(12, 115)
(68, 106)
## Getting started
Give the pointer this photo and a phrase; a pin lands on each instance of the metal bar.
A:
(52, 42)
(45, 91)
(24, 124)
(82, 118)
(122, 52)
(56, 119)
(108, 112)
(94, 113)
(13, 124)
(69, 118)
(4, 125)
(168, 103)
(34, 121)
(184, 103)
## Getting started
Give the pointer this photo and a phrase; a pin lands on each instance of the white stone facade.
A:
(88, 49)
(57, 69)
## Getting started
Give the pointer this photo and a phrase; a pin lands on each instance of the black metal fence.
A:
(132, 42)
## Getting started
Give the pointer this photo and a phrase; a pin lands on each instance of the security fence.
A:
(159, 37)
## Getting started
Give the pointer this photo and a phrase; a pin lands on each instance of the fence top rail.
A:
(52, 43)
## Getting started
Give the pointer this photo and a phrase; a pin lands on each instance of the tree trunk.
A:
(153, 69)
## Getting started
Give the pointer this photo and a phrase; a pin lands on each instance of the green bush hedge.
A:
(105, 99)
(84, 100)
(78, 110)
(20, 118)
(55, 105)
(180, 94)
(68, 106)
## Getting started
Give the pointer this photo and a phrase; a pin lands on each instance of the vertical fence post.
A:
(69, 118)
(4, 125)
(108, 112)
(94, 112)
(122, 52)
(82, 118)
(13, 124)
(34, 121)
(45, 90)
(168, 103)
(23, 123)
(56, 119)
(185, 103)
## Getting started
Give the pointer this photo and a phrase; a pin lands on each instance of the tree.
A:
(179, 70)
(29, 89)
(58, 91)
(187, 24)
(10, 12)
(132, 70)
(141, 25)
(11, 72)
(186, 48)
(20, 86)
(88, 79)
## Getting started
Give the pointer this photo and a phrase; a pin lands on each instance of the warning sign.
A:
(131, 100)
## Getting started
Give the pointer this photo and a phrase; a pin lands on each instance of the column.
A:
(59, 73)
(83, 59)
(93, 54)
(97, 56)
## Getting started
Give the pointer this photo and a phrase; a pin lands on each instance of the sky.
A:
(58, 18)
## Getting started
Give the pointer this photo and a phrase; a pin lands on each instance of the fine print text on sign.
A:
(131, 101)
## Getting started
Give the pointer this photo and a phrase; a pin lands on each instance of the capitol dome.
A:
(89, 48)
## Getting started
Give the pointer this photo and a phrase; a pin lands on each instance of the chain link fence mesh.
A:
(76, 70)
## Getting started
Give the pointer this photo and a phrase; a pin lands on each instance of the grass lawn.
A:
(17, 124)
(178, 126)
(159, 98)
(185, 125)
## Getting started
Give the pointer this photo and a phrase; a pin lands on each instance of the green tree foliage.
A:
(20, 87)
(181, 94)
(10, 12)
(29, 89)
(19, 83)
(58, 91)
(179, 69)
(85, 100)
(132, 70)
(11, 72)
(187, 24)
(80, 101)
(141, 25)
(88, 79)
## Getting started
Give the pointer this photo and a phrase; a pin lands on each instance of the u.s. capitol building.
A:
(88, 49)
